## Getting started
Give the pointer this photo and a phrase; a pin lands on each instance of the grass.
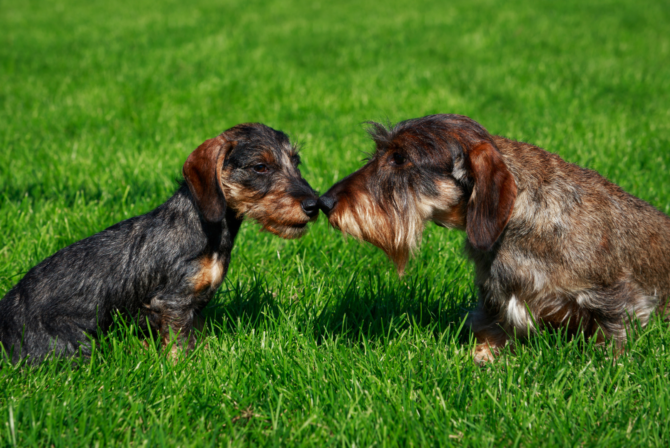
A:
(317, 342)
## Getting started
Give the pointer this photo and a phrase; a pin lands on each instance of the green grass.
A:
(316, 341)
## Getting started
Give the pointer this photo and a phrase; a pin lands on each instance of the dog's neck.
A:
(220, 235)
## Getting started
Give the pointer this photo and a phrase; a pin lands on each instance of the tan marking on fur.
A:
(362, 218)
(483, 354)
(276, 212)
(174, 353)
(398, 235)
(491, 340)
(210, 275)
(446, 209)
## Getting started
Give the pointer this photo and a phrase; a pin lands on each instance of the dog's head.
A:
(252, 169)
(441, 168)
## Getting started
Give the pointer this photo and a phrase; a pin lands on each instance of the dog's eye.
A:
(260, 168)
(398, 159)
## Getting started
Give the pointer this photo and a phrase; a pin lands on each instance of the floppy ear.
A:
(493, 196)
(202, 172)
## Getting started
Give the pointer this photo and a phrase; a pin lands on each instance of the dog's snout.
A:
(326, 204)
(310, 207)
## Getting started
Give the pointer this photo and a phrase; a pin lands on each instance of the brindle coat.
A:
(168, 263)
(547, 237)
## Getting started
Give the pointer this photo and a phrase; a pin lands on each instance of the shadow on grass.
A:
(371, 307)
(355, 319)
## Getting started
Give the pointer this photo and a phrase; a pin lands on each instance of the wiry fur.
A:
(163, 266)
(388, 206)
(553, 244)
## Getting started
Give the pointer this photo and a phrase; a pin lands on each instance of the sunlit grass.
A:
(316, 341)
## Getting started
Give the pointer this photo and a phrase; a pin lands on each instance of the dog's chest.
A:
(211, 270)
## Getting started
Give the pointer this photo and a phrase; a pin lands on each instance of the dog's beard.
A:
(396, 226)
(395, 231)
(278, 214)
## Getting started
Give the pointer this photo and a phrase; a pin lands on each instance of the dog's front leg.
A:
(174, 320)
(489, 342)
(490, 336)
(176, 331)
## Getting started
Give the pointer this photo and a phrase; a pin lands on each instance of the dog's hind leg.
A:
(58, 337)
(615, 309)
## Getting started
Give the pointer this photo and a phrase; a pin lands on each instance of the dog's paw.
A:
(483, 355)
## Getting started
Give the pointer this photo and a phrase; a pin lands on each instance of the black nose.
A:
(310, 207)
(326, 204)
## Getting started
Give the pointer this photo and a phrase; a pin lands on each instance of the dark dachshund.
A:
(165, 266)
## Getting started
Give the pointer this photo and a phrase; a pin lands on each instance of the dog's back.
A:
(577, 246)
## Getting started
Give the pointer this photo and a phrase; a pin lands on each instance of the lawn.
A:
(316, 341)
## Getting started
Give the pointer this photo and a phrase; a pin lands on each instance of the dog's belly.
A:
(608, 309)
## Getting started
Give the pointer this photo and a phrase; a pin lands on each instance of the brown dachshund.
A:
(553, 244)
